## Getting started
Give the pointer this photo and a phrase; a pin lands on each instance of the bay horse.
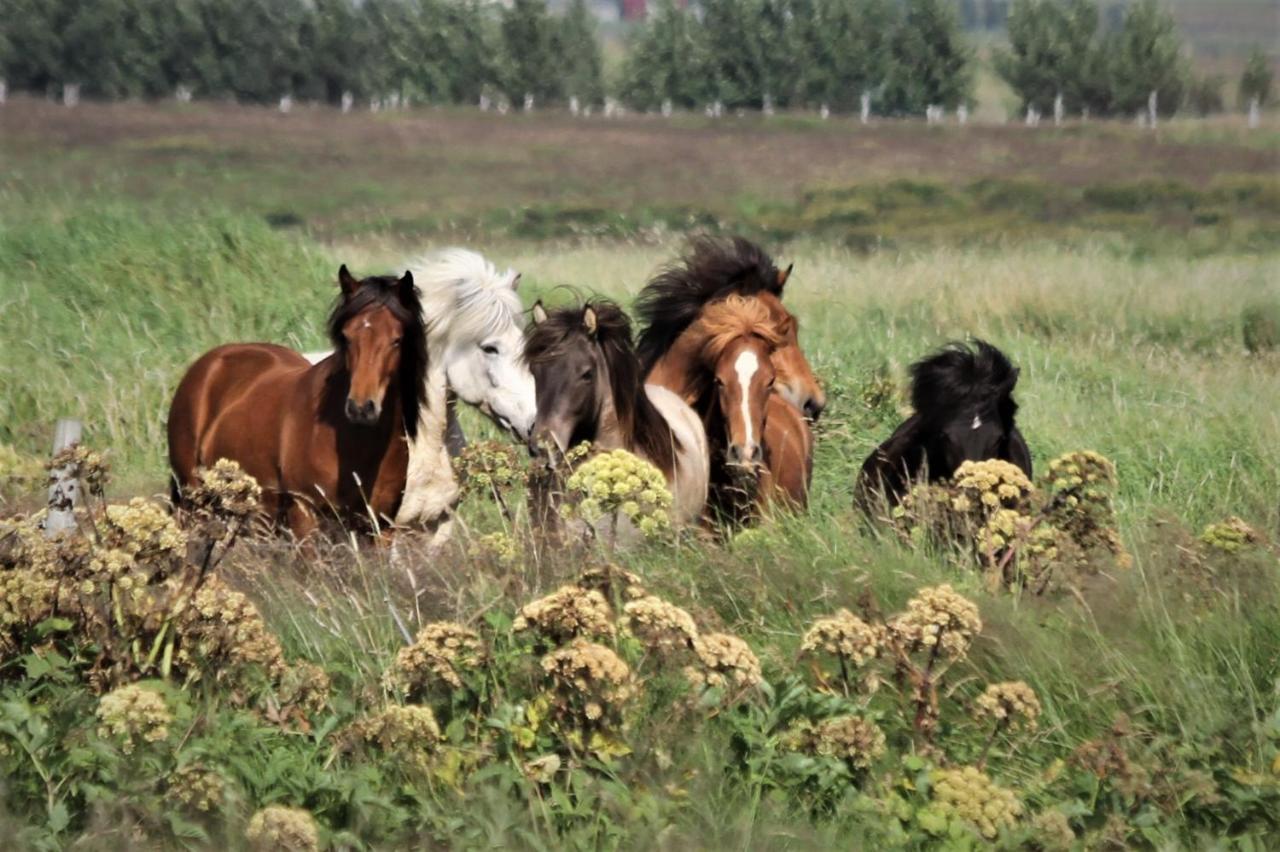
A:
(722, 366)
(964, 411)
(589, 387)
(475, 343)
(711, 269)
(327, 435)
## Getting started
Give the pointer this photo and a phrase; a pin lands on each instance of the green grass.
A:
(1128, 345)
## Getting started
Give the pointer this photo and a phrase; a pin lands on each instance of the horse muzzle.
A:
(363, 413)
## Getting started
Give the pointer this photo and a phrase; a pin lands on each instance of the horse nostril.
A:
(353, 411)
(370, 410)
(813, 409)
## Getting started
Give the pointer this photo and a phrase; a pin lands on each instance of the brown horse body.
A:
(329, 436)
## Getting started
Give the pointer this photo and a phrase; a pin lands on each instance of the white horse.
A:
(475, 347)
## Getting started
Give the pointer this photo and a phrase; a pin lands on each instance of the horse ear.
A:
(407, 290)
(590, 321)
(783, 275)
(539, 313)
(515, 280)
(347, 281)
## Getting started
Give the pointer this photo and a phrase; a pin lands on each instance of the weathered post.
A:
(1033, 117)
(4, 91)
(866, 107)
(962, 114)
(574, 106)
(64, 489)
(286, 103)
(1255, 112)
(182, 94)
(1059, 110)
(767, 106)
(1153, 103)
(528, 102)
(484, 102)
(667, 107)
(71, 94)
(824, 112)
(348, 100)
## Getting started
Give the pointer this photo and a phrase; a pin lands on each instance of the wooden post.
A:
(1153, 109)
(64, 492)
(1255, 112)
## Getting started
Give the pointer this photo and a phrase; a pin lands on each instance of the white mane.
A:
(464, 296)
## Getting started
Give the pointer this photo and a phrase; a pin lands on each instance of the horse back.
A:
(689, 479)
(229, 405)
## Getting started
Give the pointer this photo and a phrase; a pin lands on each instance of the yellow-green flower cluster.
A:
(937, 620)
(84, 464)
(1011, 703)
(1052, 831)
(305, 686)
(144, 531)
(858, 741)
(488, 468)
(619, 483)
(1078, 487)
(131, 713)
(590, 681)
(1229, 536)
(23, 546)
(660, 625)
(281, 829)
(566, 613)
(222, 627)
(400, 729)
(725, 662)
(993, 483)
(226, 491)
(440, 650)
(198, 788)
(969, 794)
(26, 599)
(18, 473)
(499, 547)
(846, 637)
(1082, 476)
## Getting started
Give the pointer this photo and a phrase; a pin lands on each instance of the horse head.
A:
(377, 331)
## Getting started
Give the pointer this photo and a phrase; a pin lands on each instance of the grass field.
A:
(1131, 275)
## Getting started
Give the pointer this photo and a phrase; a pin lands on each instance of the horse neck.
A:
(678, 367)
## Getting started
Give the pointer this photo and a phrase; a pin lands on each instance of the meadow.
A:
(1133, 276)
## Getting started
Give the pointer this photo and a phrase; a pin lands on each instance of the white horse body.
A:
(475, 345)
(693, 467)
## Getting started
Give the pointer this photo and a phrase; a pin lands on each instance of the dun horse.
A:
(964, 411)
(589, 388)
(329, 435)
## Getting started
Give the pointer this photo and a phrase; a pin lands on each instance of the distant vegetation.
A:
(902, 56)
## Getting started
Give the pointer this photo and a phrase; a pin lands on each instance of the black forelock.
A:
(960, 376)
(711, 268)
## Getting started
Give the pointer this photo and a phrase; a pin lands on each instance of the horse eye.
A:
(587, 373)
(396, 342)
(489, 349)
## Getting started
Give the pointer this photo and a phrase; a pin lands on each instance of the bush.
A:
(1260, 325)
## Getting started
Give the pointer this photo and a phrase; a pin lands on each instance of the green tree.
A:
(33, 30)
(1255, 82)
(667, 60)
(931, 64)
(579, 48)
(531, 63)
(1053, 50)
(738, 51)
(1145, 56)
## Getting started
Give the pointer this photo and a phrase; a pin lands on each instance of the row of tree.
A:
(1062, 55)
(445, 51)
(902, 55)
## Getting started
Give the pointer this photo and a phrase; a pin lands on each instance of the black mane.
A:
(711, 269)
(957, 377)
(402, 300)
(640, 421)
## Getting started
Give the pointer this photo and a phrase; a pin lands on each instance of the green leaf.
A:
(53, 625)
(59, 818)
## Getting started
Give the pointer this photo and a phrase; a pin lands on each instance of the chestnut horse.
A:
(710, 270)
(589, 388)
(670, 303)
(722, 365)
(329, 435)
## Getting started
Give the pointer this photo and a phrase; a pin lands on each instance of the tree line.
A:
(1064, 54)
(896, 57)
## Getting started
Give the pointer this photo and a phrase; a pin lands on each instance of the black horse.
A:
(964, 411)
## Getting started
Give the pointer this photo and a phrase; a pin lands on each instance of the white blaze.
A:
(746, 367)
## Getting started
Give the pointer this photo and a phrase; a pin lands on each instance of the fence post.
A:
(866, 107)
(4, 91)
(64, 489)
(1153, 103)
(1255, 112)
(1059, 110)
